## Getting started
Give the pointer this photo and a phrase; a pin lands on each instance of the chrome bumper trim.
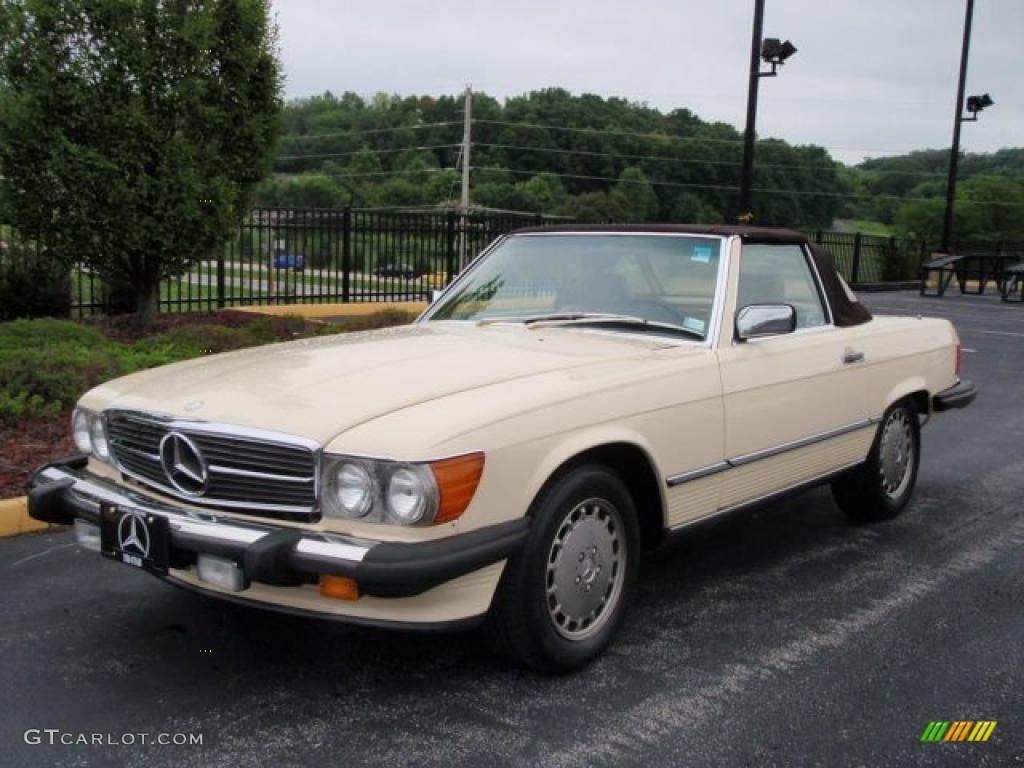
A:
(93, 492)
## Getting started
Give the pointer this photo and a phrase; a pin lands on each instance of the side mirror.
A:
(758, 320)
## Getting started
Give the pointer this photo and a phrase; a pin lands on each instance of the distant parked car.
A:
(404, 271)
(290, 261)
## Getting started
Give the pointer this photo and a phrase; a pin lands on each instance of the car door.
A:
(794, 405)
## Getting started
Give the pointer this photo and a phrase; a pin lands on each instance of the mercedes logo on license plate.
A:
(133, 534)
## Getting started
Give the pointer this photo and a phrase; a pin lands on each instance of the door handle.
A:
(850, 357)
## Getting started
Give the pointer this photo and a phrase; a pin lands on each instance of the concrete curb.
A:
(313, 311)
(14, 519)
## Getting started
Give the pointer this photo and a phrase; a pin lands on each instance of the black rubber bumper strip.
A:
(46, 501)
(959, 396)
(388, 569)
(394, 569)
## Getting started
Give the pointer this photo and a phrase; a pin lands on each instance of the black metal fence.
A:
(291, 255)
(871, 260)
(285, 256)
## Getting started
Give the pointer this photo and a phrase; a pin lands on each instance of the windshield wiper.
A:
(596, 318)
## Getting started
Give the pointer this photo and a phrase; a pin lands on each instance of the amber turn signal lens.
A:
(457, 480)
(339, 587)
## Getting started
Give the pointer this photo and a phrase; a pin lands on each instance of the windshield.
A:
(664, 280)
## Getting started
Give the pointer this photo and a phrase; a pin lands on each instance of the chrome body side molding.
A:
(767, 453)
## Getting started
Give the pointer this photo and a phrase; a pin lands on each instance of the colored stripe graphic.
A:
(959, 730)
(935, 730)
(982, 730)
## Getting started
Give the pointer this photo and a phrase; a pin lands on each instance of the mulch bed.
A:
(29, 444)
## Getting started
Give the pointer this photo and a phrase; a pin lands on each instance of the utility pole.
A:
(954, 156)
(748, 136)
(467, 145)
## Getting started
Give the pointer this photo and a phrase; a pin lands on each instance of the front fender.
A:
(569, 446)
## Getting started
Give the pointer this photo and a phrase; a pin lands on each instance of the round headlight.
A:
(353, 490)
(80, 431)
(98, 433)
(407, 496)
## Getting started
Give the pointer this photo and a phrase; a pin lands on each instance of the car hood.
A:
(318, 388)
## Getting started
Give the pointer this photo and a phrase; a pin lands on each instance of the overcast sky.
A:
(871, 76)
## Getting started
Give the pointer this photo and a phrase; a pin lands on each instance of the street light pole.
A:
(954, 157)
(748, 136)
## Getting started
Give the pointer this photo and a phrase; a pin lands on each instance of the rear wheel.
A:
(880, 488)
(562, 599)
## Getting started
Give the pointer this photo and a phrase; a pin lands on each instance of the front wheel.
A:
(562, 599)
(880, 488)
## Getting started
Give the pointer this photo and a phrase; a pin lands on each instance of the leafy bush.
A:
(41, 379)
(22, 404)
(46, 364)
(187, 341)
(20, 334)
(32, 286)
(386, 318)
(265, 330)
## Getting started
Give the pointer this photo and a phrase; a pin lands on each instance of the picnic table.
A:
(1013, 282)
(981, 268)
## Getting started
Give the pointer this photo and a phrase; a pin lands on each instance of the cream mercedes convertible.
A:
(572, 400)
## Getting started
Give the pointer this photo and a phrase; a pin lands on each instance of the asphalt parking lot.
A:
(790, 637)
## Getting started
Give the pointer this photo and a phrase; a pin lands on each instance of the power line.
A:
(370, 131)
(661, 136)
(735, 188)
(588, 153)
(584, 177)
(405, 172)
(366, 150)
(690, 160)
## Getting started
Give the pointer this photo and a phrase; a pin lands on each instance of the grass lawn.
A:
(246, 283)
(869, 227)
(192, 295)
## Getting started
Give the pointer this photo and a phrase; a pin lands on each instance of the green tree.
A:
(311, 190)
(988, 209)
(133, 131)
(636, 190)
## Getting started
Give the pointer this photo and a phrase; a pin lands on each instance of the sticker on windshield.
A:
(694, 324)
(702, 254)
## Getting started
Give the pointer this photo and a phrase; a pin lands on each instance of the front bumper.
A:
(960, 395)
(64, 491)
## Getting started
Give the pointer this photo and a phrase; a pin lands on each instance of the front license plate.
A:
(135, 538)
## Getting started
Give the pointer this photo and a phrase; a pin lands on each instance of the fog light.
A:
(339, 587)
(87, 534)
(220, 572)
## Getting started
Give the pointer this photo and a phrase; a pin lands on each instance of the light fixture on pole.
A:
(774, 52)
(975, 104)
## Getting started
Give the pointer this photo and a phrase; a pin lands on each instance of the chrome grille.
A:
(262, 473)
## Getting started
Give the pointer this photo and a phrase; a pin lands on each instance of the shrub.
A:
(40, 379)
(31, 285)
(385, 318)
(187, 341)
(20, 334)
(46, 364)
(265, 330)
